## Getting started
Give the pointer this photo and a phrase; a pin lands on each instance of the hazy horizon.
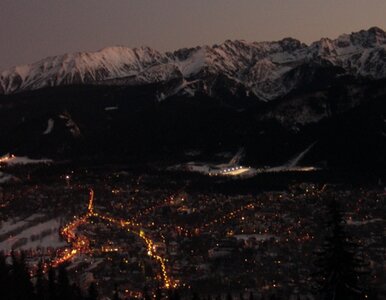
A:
(33, 30)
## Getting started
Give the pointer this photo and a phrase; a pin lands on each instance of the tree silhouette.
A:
(115, 296)
(92, 292)
(4, 278)
(16, 284)
(51, 284)
(338, 266)
(63, 284)
(195, 296)
(158, 294)
(40, 286)
(21, 284)
(77, 293)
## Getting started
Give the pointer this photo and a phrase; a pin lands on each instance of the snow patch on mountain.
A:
(43, 234)
(11, 160)
(70, 124)
(50, 126)
(261, 68)
(5, 177)
(192, 65)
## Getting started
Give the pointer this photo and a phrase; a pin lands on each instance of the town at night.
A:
(143, 232)
(193, 150)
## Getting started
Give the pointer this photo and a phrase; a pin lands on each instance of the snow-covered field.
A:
(50, 126)
(14, 224)
(22, 160)
(257, 237)
(5, 177)
(111, 108)
(364, 222)
(39, 235)
(234, 169)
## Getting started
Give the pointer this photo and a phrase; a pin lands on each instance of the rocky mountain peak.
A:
(261, 67)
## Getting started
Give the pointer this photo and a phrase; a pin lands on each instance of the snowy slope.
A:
(261, 68)
(43, 234)
(108, 63)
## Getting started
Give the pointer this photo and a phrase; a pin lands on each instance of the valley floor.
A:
(144, 230)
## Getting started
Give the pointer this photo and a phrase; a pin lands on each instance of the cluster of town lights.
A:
(6, 158)
(80, 244)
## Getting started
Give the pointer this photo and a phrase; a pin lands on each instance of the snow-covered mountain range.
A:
(265, 70)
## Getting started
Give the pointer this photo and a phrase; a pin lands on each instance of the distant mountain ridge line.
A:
(265, 70)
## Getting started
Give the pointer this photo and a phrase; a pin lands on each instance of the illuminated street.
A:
(80, 244)
(193, 150)
(150, 232)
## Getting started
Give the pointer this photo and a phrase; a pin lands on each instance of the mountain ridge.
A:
(261, 69)
(273, 99)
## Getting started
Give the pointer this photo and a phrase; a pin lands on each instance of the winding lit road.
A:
(80, 243)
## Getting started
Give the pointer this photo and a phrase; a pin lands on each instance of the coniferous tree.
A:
(76, 292)
(195, 296)
(40, 285)
(116, 295)
(176, 295)
(21, 281)
(63, 284)
(170, 294)
(338, 266)
(4, 278)
(145, 293)
(173, 294)
(51, 284)
(92, 292)
(16, 284)
(12, 276)
(273, 297)
(158, 294)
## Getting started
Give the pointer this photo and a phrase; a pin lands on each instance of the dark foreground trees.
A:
(16, 282)
(341, 272)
